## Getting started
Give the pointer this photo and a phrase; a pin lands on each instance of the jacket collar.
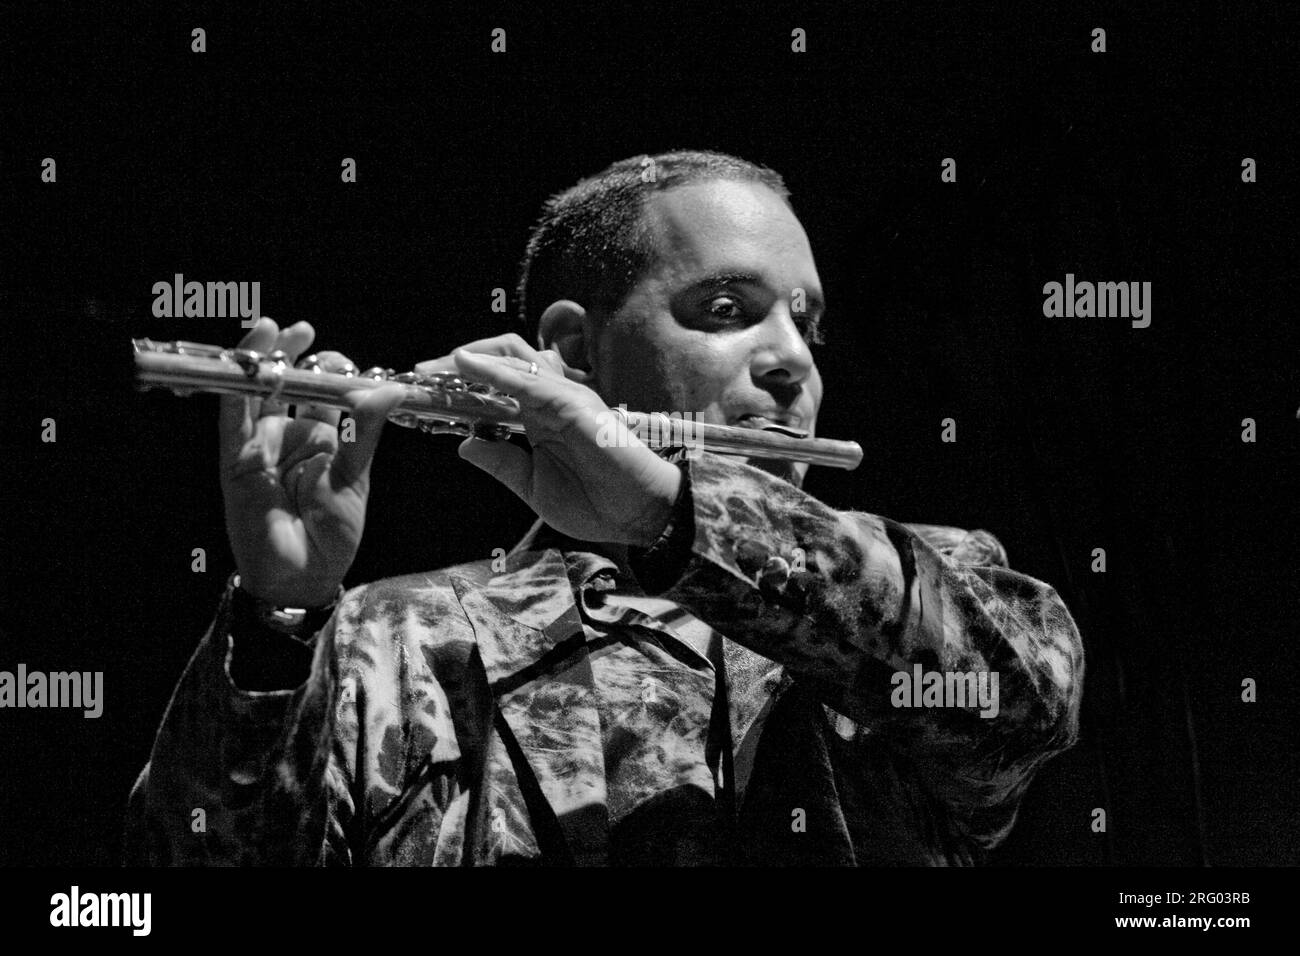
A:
(584, 559)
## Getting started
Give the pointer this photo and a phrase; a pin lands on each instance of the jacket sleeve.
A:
(243, 777)
(849, 601)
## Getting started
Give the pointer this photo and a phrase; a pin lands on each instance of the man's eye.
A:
(725, 307)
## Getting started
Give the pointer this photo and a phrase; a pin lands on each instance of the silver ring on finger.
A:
(532, 368)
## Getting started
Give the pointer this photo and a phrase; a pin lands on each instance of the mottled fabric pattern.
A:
(553, 712)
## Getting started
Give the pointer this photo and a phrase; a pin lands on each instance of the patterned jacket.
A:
(553, 711)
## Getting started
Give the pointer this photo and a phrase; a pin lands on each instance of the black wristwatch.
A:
(659, 566)
(252, 615)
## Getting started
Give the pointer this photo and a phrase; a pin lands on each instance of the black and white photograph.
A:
(779, 438)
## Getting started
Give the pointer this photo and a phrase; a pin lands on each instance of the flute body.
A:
(444, 403)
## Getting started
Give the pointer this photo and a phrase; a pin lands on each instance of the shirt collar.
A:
(584, 560)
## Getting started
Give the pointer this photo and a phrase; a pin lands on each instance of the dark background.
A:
(1072, 434)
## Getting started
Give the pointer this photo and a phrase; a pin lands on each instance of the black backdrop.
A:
(1072, 434)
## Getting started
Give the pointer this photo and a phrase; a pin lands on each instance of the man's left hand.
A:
(587, 475)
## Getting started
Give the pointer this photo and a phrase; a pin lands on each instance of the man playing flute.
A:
(687, 662)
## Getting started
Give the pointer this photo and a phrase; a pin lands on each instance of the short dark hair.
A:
(591, 243)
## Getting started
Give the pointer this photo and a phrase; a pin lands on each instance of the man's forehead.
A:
(704, 226)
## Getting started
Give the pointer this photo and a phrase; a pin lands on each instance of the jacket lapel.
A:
(754, 683)
(533, 647)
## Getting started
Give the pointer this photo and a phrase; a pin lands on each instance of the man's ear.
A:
(565, 327)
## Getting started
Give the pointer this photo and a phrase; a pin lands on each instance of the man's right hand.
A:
(295, 495)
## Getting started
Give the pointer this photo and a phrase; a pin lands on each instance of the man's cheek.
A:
(674, 384)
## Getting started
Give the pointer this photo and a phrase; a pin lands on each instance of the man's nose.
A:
(783, 354)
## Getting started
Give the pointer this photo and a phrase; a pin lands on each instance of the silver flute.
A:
(445, 403)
